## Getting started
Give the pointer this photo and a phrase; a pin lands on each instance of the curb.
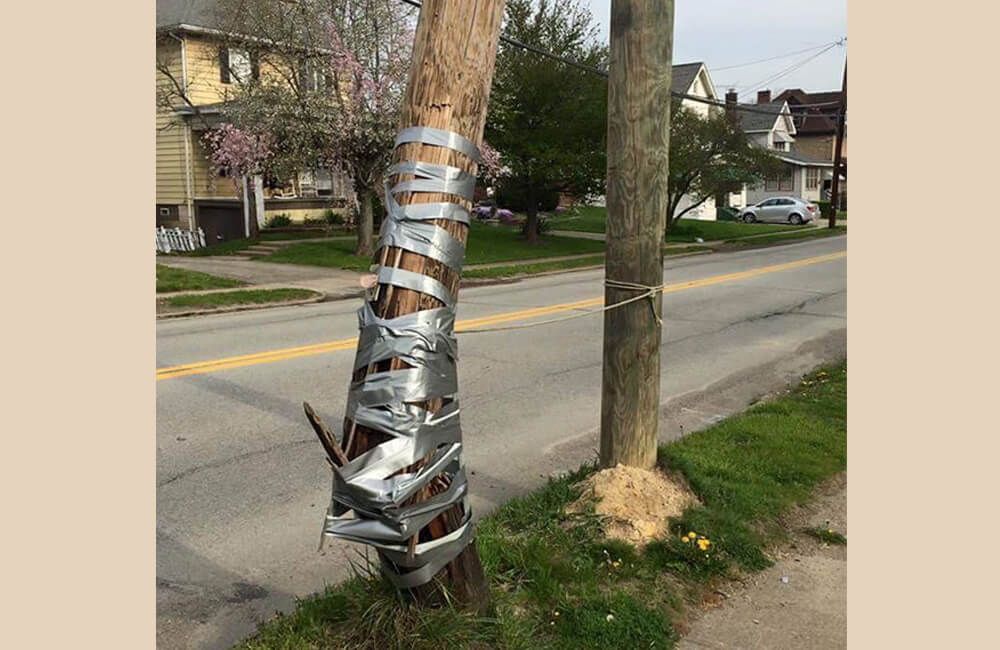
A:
(319, 297)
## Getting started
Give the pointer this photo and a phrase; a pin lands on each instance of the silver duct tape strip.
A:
(375, 486)
(426, 239)
(416, 282)
(440, 138)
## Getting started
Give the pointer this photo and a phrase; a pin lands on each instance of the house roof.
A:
(760, 117)
(802, 160)
(684, 75)
(814, 120)
(193, 13)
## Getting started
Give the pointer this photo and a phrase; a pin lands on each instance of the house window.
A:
(784, 182)
(313, 77)
(787, 181)
(780, 146)
(812, 178)
(237, 65)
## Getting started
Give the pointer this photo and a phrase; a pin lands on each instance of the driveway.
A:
(336, 282)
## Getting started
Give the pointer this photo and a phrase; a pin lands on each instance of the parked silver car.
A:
(780, 209)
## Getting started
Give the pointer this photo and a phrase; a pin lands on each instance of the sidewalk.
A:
(800, 602)
(600, 236)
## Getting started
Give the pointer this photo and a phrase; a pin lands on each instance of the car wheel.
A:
(795, 219)
(749, 218)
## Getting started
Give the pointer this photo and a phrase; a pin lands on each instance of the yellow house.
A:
(197, 72)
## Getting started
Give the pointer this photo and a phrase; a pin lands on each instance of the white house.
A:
(693, 79)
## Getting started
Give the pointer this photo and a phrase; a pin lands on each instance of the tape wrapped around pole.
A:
(369, 491)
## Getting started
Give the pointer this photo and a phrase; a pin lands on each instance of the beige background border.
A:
(79, 402)
(78, 463)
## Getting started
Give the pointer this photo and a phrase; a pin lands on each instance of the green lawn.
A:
(239, 297)
(557, 583)
(486, 244)
(236, 246)
(778, 238)
(171, 279)
(592, 219)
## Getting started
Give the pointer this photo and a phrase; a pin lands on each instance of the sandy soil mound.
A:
(635, 503)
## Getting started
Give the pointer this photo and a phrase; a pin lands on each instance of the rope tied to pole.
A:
(648, 292)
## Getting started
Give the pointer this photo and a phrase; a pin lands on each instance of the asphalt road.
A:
(242, 484)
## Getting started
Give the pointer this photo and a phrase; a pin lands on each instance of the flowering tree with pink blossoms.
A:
(327, 88)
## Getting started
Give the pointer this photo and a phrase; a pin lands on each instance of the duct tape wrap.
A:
(370, 493)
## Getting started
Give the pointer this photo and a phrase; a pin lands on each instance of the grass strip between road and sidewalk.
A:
(170, 279)
(238, 297)
(779, 238)
(557, 583)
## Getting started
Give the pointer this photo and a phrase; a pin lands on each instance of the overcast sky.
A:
(729, 32)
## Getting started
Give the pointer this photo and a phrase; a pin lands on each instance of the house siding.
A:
(171, 181)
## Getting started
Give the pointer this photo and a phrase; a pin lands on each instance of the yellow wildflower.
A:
(685, 539)
(703, 544)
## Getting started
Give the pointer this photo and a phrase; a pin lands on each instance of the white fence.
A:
(170, 240)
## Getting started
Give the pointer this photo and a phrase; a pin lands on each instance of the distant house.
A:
(693, 79)
(770, 125)
(815, 118)
(198, 71)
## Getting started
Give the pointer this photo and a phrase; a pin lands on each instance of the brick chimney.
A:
(763, 96)
(731, 97)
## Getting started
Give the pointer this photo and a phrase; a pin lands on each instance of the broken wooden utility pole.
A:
(403, 477)
(838, 156)
(638, 144)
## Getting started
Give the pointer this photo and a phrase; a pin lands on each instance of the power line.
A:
(780, 56)
(790, 69)
(748, 108)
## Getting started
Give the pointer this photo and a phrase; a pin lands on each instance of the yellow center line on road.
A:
(282, 354)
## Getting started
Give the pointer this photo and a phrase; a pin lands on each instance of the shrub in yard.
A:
(279, 221)
(331, 218)
(825, 208)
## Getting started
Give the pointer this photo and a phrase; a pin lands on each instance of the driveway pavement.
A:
(333, 282)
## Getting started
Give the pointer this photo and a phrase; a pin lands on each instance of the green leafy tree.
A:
(548, 119)
(710, 156)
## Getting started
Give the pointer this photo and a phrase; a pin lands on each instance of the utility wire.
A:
(780, 56)
(747, 108)
(790, 69)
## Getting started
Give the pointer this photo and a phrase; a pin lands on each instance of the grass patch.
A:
(171, 279)
(556, 583)
(593, 218)
(486, 244)
(826, 535)
(809, 233)
(239, 297)
(581, 218)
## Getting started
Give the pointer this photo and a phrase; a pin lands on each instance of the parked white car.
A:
(780, 209)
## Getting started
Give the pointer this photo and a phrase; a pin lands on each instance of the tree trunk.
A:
(454, 54)
(366, 221)
(637, 199)
(531, 225)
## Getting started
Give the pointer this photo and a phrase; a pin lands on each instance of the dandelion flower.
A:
(703, 544)
(685, 539)
(692, 535)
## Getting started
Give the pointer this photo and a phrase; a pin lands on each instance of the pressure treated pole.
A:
(638, 139)
(454, 54)
(838, 156)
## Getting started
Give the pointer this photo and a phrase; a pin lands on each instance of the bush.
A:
(825, 209)
(513, 195)
(331, 218)
(279, 221)
(725, 213)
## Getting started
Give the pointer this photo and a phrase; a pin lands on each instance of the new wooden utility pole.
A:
(454, 54)
(638, 145)
(838, 156)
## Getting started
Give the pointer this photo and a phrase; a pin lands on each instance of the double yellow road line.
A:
(282, 354)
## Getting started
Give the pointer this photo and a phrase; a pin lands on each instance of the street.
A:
(242, 484)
